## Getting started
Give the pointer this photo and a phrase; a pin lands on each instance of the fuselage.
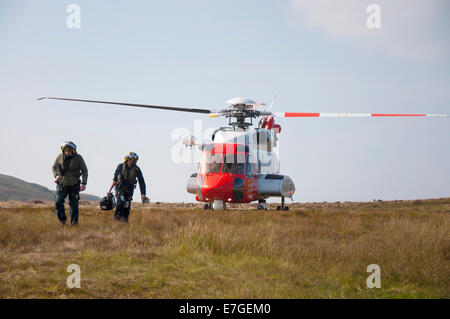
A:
(236, 165)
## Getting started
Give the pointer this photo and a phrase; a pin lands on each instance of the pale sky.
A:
(316, 56)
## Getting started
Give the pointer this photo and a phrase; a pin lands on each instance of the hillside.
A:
(15, 189)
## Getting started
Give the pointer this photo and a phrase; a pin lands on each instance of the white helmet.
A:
(68, 145)
(132, 156)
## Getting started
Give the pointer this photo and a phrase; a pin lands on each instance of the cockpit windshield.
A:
(225, 163)
(234, 164)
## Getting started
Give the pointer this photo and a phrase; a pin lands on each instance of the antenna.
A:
(273, 102)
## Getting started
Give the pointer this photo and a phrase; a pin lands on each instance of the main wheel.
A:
(261, 205)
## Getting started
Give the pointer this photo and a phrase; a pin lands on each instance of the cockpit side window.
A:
(250, 166)
(210, 163)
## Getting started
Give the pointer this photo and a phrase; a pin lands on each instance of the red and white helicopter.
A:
(239, 164)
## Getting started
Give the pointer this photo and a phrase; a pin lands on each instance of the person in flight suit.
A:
(67, 169)
(126, 176)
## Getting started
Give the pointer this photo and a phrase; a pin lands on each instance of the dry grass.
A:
(180, 251)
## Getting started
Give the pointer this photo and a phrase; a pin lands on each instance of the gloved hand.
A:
(145, 199)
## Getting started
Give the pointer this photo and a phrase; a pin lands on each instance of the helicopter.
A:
(240, 164)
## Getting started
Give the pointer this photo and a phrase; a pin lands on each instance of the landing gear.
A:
(262, 204)
(218, 204)
(283, 206)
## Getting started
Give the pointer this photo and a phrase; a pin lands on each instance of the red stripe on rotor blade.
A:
(398, 114)
(301, 114)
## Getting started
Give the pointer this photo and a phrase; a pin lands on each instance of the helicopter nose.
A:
(218, 186)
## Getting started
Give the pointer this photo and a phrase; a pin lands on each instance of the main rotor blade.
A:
(170, 108)
(293, 114)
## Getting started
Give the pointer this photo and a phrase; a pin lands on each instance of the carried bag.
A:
(108, 202)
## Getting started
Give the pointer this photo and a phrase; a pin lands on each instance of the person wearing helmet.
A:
(126, 176)
(67, 169)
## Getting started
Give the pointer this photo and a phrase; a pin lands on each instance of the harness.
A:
(128, 178)
(63, 166)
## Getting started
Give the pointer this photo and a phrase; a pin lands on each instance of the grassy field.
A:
(317, 250)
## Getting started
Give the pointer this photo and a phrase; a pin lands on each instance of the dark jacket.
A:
(71, 169)
(118, 177)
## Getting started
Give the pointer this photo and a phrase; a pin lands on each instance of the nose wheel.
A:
(215, 205)
(218, 204)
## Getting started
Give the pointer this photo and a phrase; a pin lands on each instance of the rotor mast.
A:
(240, 109)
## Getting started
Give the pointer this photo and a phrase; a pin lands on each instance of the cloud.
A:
(413, 29)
